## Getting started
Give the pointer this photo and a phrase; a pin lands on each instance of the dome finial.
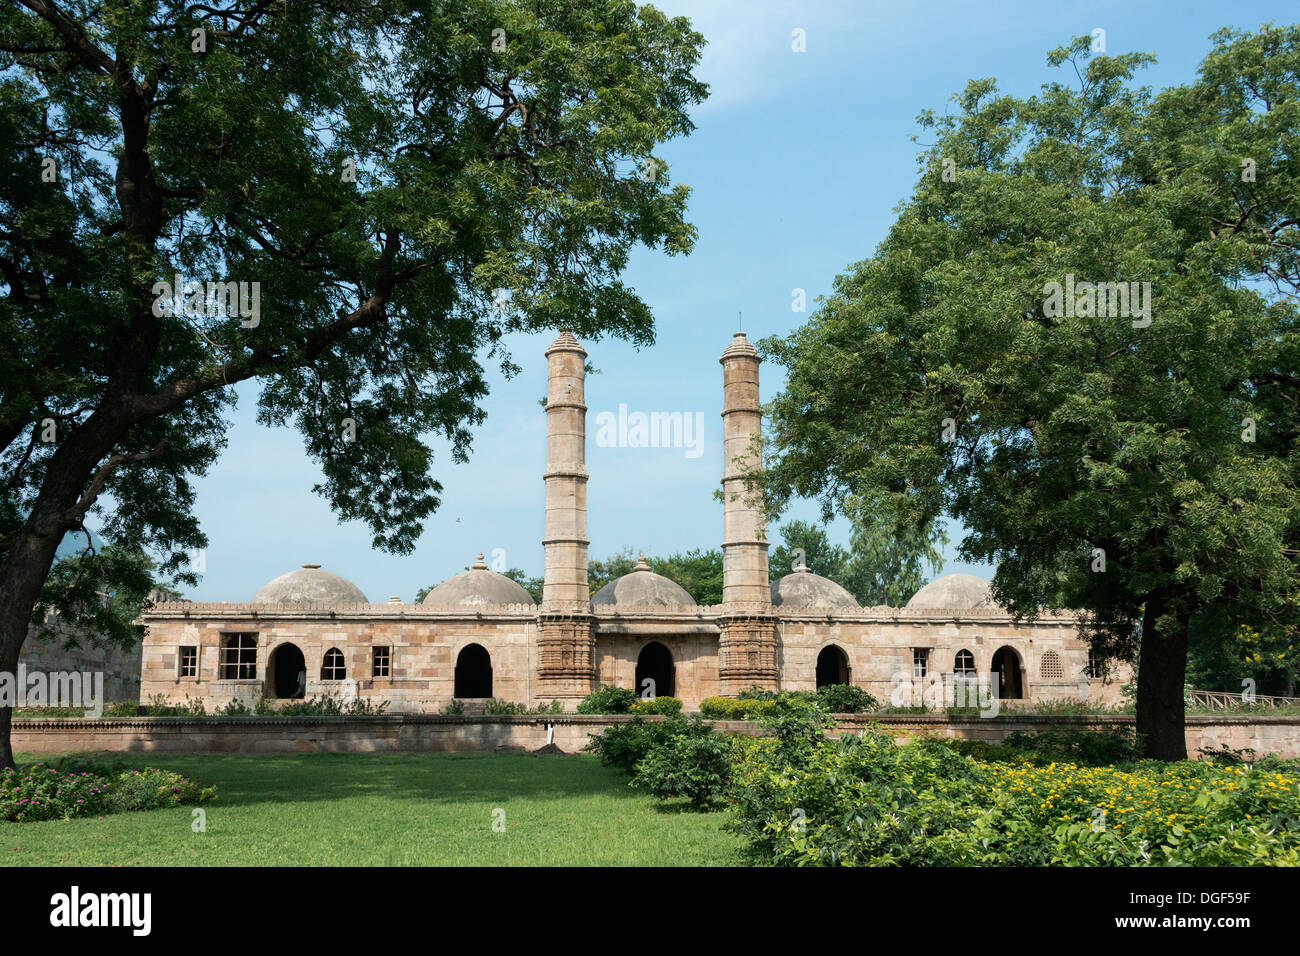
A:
(478, 564)
(801, 568)
(641, 562)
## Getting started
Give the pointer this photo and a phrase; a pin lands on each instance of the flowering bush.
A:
(657, 705)
(865, 800)
(42, 792)
(151, 788)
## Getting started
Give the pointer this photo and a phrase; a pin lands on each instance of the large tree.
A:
(396, 183)
(1133, 457)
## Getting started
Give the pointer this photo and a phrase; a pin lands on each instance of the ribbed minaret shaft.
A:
(744, 529)
(565, 577)
(747, 628)
(565, 644)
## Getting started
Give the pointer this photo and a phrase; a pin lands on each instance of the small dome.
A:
(641, 587)
(477, 587)
(802, 588)
(310, 585)
(954, 592)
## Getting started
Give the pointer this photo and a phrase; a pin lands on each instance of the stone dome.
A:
(310, 585)
(477, 587)
(954, 592)
(642, 587)
(802, 588)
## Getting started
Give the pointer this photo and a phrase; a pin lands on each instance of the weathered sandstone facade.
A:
(480, 635)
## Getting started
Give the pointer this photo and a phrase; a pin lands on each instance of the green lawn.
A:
(370, 809)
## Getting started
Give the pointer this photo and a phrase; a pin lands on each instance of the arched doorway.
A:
(1008, 676)
(655, 663)
(832, 666)
(473, 672)
(286, 673)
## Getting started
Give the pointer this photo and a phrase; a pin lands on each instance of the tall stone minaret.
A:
(565, 667)
(747, 640)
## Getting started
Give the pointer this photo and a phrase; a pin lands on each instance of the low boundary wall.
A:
(414, 733)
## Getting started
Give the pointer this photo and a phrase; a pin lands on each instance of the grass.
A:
(390, 810)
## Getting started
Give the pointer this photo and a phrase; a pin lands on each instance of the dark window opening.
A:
(654, 664)
(832, 666)
(473, 672)
(286, 673)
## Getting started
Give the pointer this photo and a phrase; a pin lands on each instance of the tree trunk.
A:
(1162, 671)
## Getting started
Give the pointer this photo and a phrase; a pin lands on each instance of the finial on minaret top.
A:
(478, 565)
(740, 346)
(567, 343)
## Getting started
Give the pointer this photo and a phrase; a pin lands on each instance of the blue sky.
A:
(796, 166)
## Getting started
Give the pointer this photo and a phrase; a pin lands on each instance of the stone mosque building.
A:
(479, 634)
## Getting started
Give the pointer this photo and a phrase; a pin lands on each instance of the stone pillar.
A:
(566, 661)
(747, 642)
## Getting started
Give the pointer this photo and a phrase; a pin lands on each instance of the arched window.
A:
(1008, 678)
(332, 667)
(964, 665)
(1050, 666)
(832, 666)
(473, 672)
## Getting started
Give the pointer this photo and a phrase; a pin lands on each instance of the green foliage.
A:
(656, 705)
(326, 705)
(845, 699)
(687, 764)
(158, 706)
(83, 786)
(506, 708)
(1057, 438)
(608, 700)
(1091, 748)
(404, 193)
(623, 745)
(754, 702)
(864, 800)
(152, 788)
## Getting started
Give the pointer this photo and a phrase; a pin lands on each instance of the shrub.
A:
(454, 709)
(152, 788)
(657, 705)
(845, 699)
(862, 799)
(159, 707)
(326, 705)
(625, 744)
(687, 764)
(1079, 744)
(735, 708)
(41, 792)
(608, 700)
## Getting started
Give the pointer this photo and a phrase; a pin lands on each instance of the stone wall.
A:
(437, 734)
(121, 668)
